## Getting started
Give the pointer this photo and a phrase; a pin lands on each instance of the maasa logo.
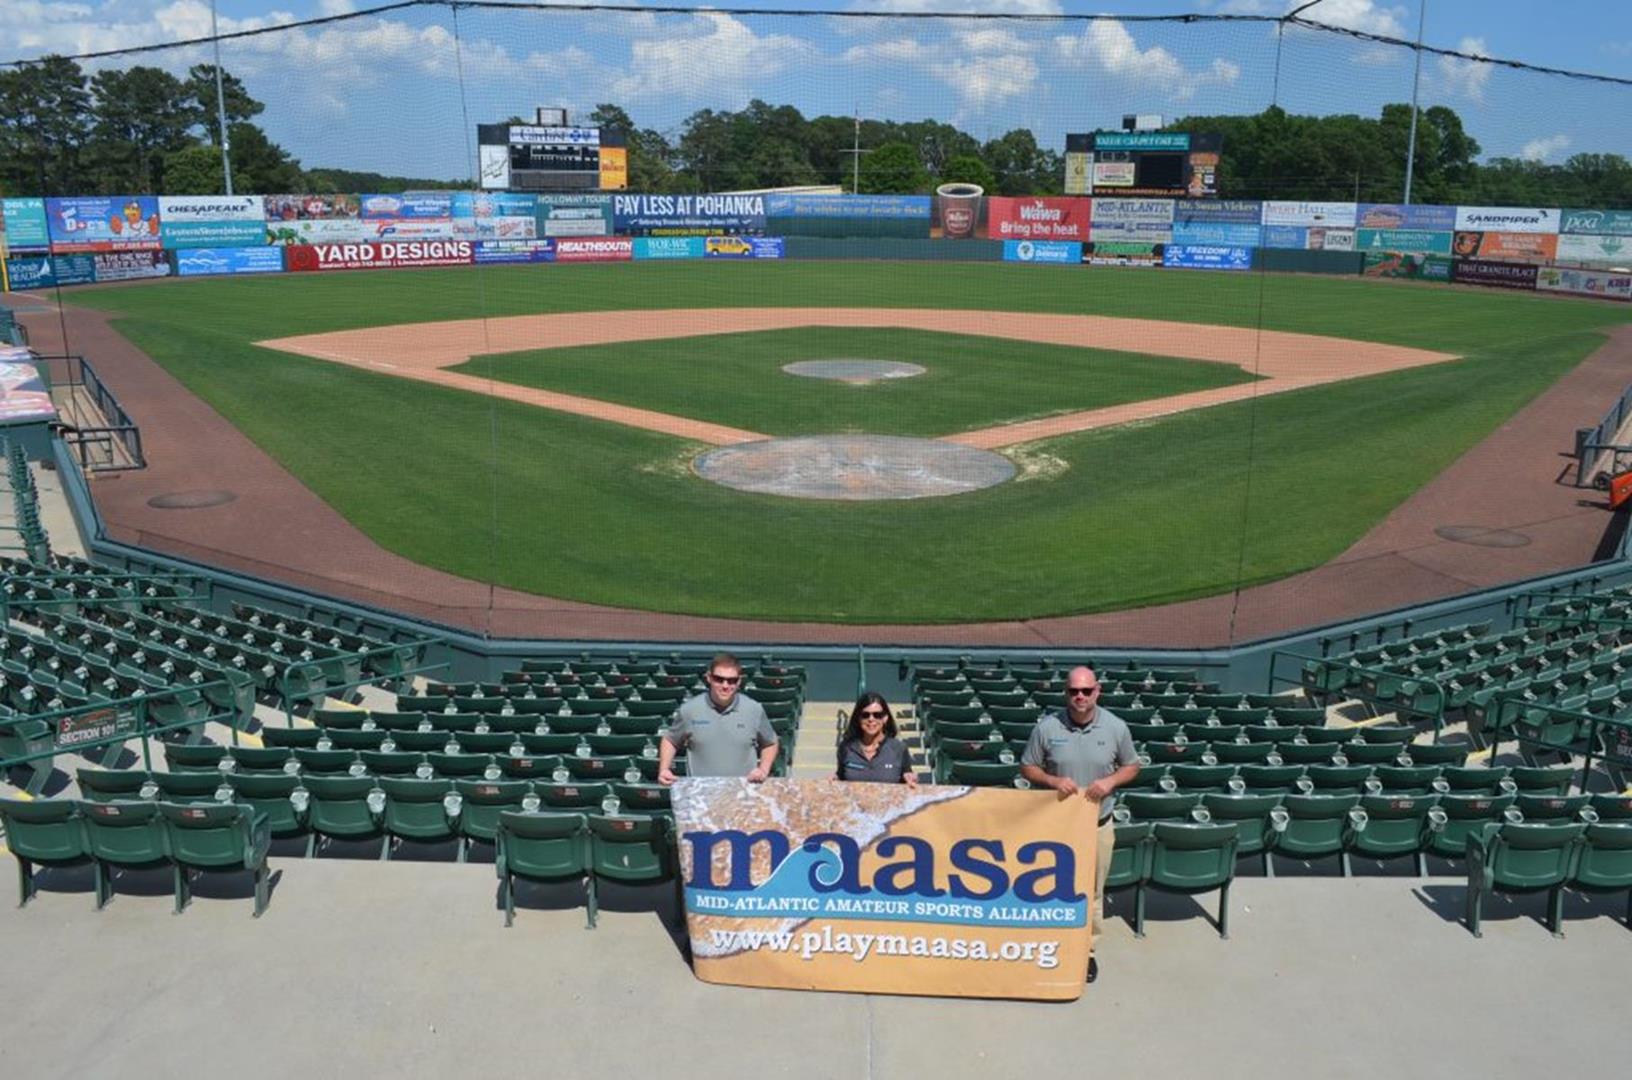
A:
(824, 877)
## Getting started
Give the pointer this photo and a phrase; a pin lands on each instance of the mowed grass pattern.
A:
(1103, 520)
(970, 382)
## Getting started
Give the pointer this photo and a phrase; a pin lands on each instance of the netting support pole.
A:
(221, 107)
(1416, 84)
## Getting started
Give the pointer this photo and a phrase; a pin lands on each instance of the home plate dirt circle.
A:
(856, 372)
(854, 467)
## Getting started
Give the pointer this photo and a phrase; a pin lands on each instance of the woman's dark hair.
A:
(852, 730)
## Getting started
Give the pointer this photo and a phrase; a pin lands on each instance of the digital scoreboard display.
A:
(527, 157)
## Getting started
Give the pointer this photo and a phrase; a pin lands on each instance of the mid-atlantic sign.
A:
(944, 890)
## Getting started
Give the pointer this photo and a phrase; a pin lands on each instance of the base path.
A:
(424, 351)
(280, 530)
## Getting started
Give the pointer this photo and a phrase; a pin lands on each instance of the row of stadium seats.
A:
(25, 501)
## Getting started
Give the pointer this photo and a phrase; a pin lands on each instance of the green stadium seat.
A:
(1317, 826)
(1337, 779)
(1392, 826)
(1406, 779)
(1294, 753)
(1257, 820)
(1543, 780)
(1270, 779)
(551, 743)
(1604, 864)
(22, 737)
(549, 847)
(340, 808)
(631, 849)
(1130, 858)
(199, 757)
(986, 774)
(271, 794)
(1372, 753)
(111, 785)
(128, 835)
(573, 796)
(1202, 778)
(415, 810)
(291, 737)
(263, 759)
(42, 832)
(1521, 858)
(217, 838)
(1243, 753)
(1160, 805)
(1550, 808)
(481, 803)
(391, 762)
(189, 787)
(601, 770)
(1190, 859)
(456, 766)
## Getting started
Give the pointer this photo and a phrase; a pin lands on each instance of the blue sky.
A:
(393, 93)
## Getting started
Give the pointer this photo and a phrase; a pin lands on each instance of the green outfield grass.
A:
(970, 382)
(1104, 520)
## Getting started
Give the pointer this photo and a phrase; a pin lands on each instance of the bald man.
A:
(1087, 752)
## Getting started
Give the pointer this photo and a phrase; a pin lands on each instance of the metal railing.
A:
(1591, 443)
(95, 447)
(129, 720)
(1420, 684)
(1511, 714)
(305, 670)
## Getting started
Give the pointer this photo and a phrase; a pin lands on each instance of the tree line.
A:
(145, 130)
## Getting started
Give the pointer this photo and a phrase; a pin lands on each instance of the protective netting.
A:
(446, 365)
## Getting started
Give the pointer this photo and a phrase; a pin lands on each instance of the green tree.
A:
(44, 108)
(139, 115)
(1021, 167)
(893, 169)
(239, 106)
(193, 170)
(259, 165)
(969, 169)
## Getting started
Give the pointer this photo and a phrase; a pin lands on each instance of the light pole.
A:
(221, 105)
(1416, 83)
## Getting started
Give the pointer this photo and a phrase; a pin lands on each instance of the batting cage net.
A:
(682, 324)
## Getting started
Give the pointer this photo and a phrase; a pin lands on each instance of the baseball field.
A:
(536, 426)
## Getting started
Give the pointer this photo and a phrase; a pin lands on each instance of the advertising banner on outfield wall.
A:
(103, 223)
(1407, 264)
(410, 206)
(594, 249)
(130, 265)
(1332, 215)
(43, 271)
(1507, 219)
(378, 255)
(1501, 275)
(688, 215)
(1206, 257)
(875, 207)
(1505, 247)
(573, 215)
(310, 207)
(1600, 283)
(880, 888)
(1042, 251)
(320, 231)
(25, 225)
(743, 247)
(1119, 253)
(488, 252)
(1132, 221)
(1415, 217)
(205, 262)
(482, 215)
(178, 236)
(1229, 222)
(1030, 218)
(1304, 238)
(1597, 222)
(1434, 243)
(211, 221)
(1609, 250)
(668, 247)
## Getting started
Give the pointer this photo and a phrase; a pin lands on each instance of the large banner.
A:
(742, 247)
(130, 265)
(1407, 264)
(1206, 257)
(1501, 275)
(573, 215)
(25, 225)
(204, 262)
(1133, 221)
(42, 271)
(1597, 222)
(1037, 218)
(1507, 219)
(594, 249)
(1303, 213)
(1611, 286)
(310, 207)
(688, 215)
(1308, 238)
(424, 215)
(381, 255)
(1506, 247)
(1427, 242)
(1414, 217)
(1227, 222)
(211, 221)
(875, 207)
(1579, 248)
(103, 223)
(514, 251)
(877, 888)
(491, 215)
(1121, 253)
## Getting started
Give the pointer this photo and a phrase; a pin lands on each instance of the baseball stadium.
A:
(434, 429)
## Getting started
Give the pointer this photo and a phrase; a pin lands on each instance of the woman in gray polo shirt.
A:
(870, 750)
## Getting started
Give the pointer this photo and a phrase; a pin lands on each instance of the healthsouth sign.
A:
(945, 890)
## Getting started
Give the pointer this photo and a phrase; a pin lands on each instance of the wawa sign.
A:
(378, 255)
(945, 890)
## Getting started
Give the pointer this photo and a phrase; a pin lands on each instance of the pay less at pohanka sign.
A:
(951, 891)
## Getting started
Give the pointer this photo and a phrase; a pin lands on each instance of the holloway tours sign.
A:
(953, 891)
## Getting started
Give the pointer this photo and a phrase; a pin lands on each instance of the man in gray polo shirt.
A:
(1087, 751)
(723, 731)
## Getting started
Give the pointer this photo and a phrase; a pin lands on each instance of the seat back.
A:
(108, 785)
(268, 794)
(1339, 779)
(1130, 858)
(1266, 779)
(179, 757)
(1543, 780)
(416, 808)
(1192, 858)
(1472, 778)
(543, 846)
(630, 848)
(482, 801)
(1528, 857)
(125, 833)
(260, 758)
(572, 796)
(1160, 805)
(1200, 778)
(214, 836)
(642, 798)
(1407, 779)
(338, 805)
(1393, 824)
(1249, 813)
(1547, 808)
(1316, 824)
(985, 773)
(1606, 857)
(189, 787)
(46, 831)
(1616, 807)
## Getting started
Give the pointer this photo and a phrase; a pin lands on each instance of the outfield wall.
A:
(100, 239)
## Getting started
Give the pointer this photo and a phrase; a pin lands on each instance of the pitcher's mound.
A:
(858, 372)
(854, 467)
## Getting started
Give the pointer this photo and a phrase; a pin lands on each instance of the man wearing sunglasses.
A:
(724, 732)
(1088, 751)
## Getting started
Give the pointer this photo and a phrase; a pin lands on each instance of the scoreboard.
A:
(1176, 164)
(528, 157)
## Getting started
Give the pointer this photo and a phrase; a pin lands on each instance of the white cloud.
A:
(336, 7)
(982, 65)
(988, 78)
(1365, 16)
(1468, 77)
(1542, 149)
(720, 58)
(959, 7)
(1108, 45)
